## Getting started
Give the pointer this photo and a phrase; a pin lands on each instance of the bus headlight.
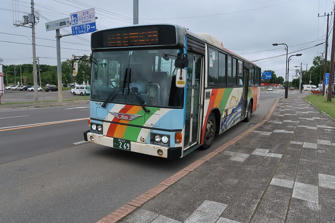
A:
(157, 138)
(94, 127)
(165, 139)
(99, 128)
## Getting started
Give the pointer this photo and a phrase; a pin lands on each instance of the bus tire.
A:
(249, 112)
(210, 131)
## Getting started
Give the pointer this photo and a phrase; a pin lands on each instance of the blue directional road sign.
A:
(83, 22)
(326, 78)
(267, 75)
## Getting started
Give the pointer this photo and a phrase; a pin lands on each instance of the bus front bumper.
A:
(148, 149)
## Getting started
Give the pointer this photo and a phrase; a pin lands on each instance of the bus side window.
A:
(229, 72)
(251, 76)
(222, 70)
(240, 74)
(213, 67)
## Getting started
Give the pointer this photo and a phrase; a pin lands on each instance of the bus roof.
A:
(181, 31)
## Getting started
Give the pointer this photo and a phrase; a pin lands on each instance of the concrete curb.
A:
(134, 204)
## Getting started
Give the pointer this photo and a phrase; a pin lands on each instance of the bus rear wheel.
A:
(210, 131)
(249, 112)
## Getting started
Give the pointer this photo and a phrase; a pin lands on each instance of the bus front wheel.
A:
(210, 131)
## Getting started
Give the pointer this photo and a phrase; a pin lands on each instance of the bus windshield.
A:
(137, 77)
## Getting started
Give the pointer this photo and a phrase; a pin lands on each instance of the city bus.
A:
(163, 91)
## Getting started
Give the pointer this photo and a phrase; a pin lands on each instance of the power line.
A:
(40, 45)
(266, 58)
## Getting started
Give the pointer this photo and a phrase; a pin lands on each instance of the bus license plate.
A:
(121, 144)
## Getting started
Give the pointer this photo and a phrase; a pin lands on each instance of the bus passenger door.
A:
(245, 91)
(191, 135)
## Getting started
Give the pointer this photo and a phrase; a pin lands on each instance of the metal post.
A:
(33, 22)
(300, 78)
(39, 71)
(59, 67)
(322, 78)
(135, 12)
(286, 76)
(21, 75)
(14, 75)
(331, 78)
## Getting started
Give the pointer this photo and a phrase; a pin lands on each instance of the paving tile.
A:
(226, 220)
(282, 183)
(273, 206)
(265, 152)
(236, 156)
(207, 212)
(309, 145)
(163, 219)
(324, 142)
(306, 192)
(264, 133)
(282, 131)
(307, 127)
(327, 181)
(296, 142)
(141, 216)
(327, 204)
(302, 211)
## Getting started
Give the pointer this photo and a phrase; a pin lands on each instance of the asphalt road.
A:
(47, 175)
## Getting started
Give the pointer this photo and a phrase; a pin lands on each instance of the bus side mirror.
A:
(181, 61)
(181, 78)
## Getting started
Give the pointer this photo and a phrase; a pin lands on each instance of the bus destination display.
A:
(124, 39)
(135, 36)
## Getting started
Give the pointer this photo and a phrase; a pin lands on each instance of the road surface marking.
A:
(80, 142)
(75, 108)
(306, 192)
(327, 181)
(282, 183)
(17, 127)
(208, 211)
(309, 145)
(18, 116)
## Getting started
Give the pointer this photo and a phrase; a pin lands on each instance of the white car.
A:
(81, 90)
(9, 87)
(32, 88)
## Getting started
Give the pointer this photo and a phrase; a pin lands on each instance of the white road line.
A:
(75, 108)
(80, 142)
(42, 123)
(18, 116)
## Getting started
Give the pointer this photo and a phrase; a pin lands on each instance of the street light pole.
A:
(288, 66)
(286, 69)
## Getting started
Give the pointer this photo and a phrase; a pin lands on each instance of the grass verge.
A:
(321, 103)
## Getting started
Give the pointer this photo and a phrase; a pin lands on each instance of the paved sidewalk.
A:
(282, 172)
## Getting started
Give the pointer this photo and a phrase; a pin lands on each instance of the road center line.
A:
(18, 116)
(75, 108)
(10, 128)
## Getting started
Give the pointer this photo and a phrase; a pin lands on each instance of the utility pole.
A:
(331, 78)
(14, 75)
(39, 71)
(300, 78)
(322, 77)
(21, 75)
(33, 22)
(59, 68)
(135, 12)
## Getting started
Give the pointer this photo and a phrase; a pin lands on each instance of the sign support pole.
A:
(59, 68)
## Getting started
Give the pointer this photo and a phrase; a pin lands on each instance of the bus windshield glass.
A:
(136, 77)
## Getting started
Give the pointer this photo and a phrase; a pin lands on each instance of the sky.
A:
(247, 27)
